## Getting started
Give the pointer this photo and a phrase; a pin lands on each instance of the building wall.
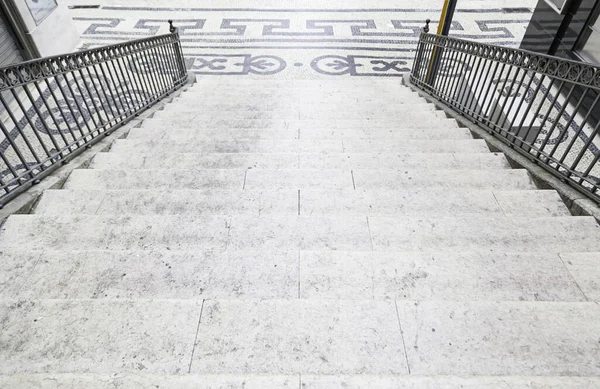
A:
(551, 33)
(10, 51)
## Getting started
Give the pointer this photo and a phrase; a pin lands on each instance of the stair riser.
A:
(299, 179)
(303, 106)
(343, 124)
(311, 114)
(161, 160)
(134, 380)
(238, 233)
(302, 146)
(228, 134)
(291, 275)
(303, 202)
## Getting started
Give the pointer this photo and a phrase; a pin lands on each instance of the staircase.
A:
(286, 234)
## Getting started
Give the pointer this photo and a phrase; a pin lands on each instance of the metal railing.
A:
(545, 107)
(51, 109)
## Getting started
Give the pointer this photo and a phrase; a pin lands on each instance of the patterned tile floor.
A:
(297, 39)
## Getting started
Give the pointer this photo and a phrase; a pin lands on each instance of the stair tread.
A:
(417, 120)
(305, 202)
(315, 275)
(196, 381)
(301, 146)
(240, 232)
(385, 160)
(298, 179)
(193, 134)
(490, 334)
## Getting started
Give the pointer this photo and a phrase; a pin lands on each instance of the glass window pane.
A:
(40, 8)
(591, 49)
(557, 4)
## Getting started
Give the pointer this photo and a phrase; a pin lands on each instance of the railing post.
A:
(426, 28)
(178, 50)
(419, 55)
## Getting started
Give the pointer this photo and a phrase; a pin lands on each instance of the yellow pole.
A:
(443, 16)
(439, 31)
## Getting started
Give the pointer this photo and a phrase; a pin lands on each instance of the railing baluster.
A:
(74, 98)
(581, 127)
(571, 118)
(547, 115)
(31, 123)
(496, 92)
(54, 118)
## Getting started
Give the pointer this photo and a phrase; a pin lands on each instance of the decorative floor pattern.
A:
(298, 42)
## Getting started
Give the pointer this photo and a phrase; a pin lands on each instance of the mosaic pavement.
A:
(296, 39)
(300, 40)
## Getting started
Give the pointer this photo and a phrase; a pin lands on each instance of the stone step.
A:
(313, 275)
(324, 179)
(295, 114)
(418, 120)
(201, 83)
(585, 269)
(264, 337)
(301, 106)
(256, 83)
(301, 93)
(189, 381)
(311, 202)
(284, 232)
(162, 159)
(194, 134)
(197, 116)
(439, 338)
(131, 146)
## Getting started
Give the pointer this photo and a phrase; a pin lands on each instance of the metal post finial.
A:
(172, 28)
(426, 28)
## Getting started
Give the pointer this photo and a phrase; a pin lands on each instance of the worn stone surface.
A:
(76, 232)
(84, 336)
(408, 160)
(148, 179)
(419, 120)
(435, 202)
(323, 179)
(162, 159)
(230, 146)
(441, 179)
(501, 338)
(147, 381)
(169, 202)
(344, 240)
(558, 234)
(446, 382)
(585, 268)
(299, 233)
(150, 274)
(318, 337)
(192, 134)
(436, 276)
(165, 160)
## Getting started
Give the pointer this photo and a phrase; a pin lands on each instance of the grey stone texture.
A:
(306, 235)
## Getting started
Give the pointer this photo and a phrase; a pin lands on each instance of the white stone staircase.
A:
(300, 234)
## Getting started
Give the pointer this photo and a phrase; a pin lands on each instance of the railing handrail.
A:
(510, 50)
(546, 108)
(53, 108)
(91, 53)
(87, 51)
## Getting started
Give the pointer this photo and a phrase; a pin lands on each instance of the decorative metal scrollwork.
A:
(354, 65)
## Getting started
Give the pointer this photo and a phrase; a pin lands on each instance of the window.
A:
(40, 9)
(559, 6)
(587, 46)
